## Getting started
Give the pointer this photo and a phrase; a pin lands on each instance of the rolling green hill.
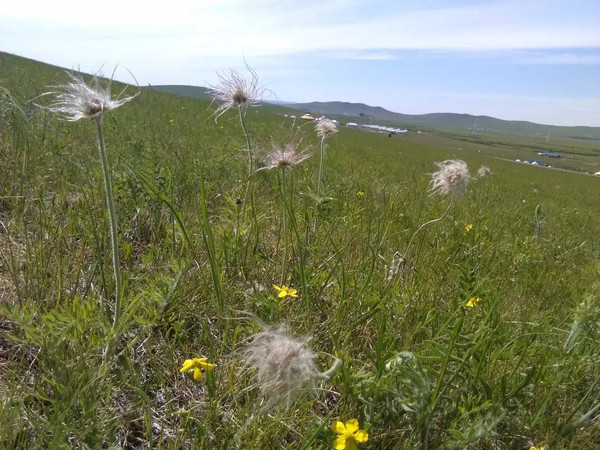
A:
(184, 91)
(483, 334)
(449, 120)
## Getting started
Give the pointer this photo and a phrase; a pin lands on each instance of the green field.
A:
(200, 249)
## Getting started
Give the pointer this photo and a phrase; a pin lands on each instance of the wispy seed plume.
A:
(77, 99)
(282, 366)
(326, 128)
(484, 172)
(284, 157)
(235, 90)
(453, 177)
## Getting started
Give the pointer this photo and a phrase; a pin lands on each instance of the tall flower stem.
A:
(245, 128)
(426, 224)
(110, 204)
(285, 212)
(321, 165)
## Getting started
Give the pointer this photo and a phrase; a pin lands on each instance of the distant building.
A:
(550, 154)
(352, 125)
(307, 116)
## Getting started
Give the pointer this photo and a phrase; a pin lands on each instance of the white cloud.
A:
(228, 28)
(184, 42)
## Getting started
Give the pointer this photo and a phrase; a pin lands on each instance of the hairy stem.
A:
(110, 204)
(285, 243)
(321, 166)
(426, 224)
(245, 128)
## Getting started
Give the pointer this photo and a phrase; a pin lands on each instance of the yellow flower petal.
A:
(197, 374)
(352, 425)
(187, 365)
(361, 436)
(207, 366)
(340, 443)
(338, 427)
(277, 288)
(293, 293)
(281, 294)
(473, 301)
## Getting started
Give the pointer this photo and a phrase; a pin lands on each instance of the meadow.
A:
(482, 334)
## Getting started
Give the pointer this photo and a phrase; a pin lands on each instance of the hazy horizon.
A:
(537, 61)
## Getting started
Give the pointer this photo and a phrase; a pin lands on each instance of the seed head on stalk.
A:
(235, 90)
(286, 157)
(452, 178)
(76, 99)
(484, 172)
(282, 366)
(326, 128)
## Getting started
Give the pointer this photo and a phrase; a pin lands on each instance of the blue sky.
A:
(535, 60)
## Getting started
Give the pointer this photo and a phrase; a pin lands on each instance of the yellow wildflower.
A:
(543, 447)
(468, 227)
(360, 193)
(472, 302)
(349, 435)
(196, 365)
(285, 291)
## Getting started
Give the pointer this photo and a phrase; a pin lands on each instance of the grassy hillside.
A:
(478, 330)
(184, 91)
(451, 120)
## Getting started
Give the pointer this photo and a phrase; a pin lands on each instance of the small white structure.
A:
(352, 125)
(597, 174)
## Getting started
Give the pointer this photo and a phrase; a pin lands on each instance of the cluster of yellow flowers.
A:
(196, 366)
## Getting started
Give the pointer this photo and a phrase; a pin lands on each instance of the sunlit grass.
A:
(491, 342)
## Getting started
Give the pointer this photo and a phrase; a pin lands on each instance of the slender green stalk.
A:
(114, 239)
(210, 246)
(250, 159)
(321, 164)
(322, 161)
(284, 212)
(426, 224)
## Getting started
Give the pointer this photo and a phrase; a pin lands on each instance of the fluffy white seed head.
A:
(326, 128)
(284, 157)
(282, 366)
(235, 90)
(77, 100)
(484, 172)
(453, 177)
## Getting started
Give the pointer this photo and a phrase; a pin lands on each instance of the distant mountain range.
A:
(355, 112)
(447, 120)
(366, 113)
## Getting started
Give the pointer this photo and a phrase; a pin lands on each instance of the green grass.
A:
(521, 368)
